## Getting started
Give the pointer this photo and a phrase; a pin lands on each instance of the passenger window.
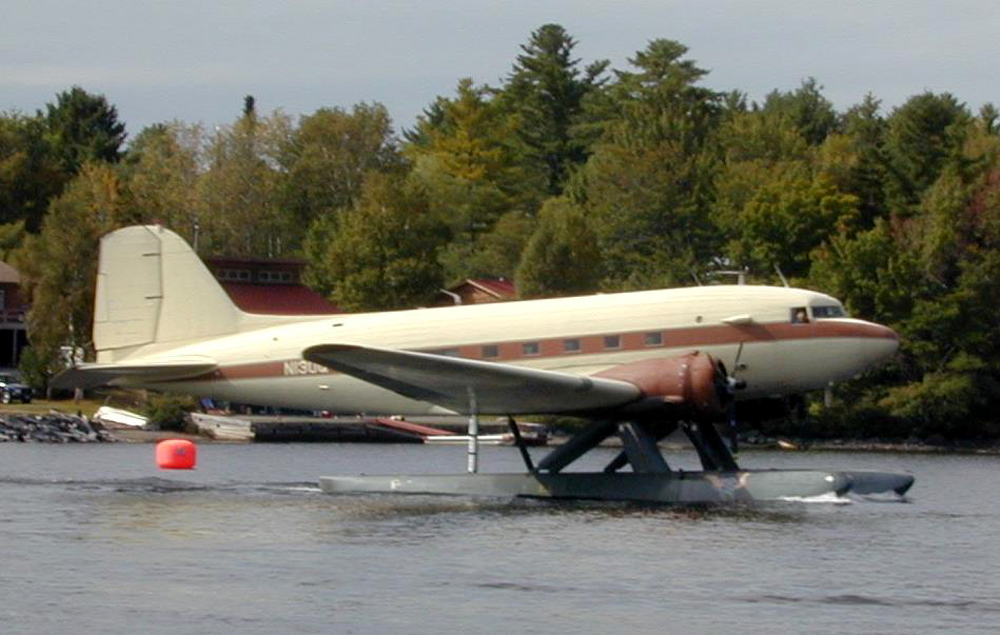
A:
(612, 341)
(490, 351)
(799, 315)
(571, 346)
(654, 339)
(530, 348)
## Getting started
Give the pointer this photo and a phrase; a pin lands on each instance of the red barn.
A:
(270, 286)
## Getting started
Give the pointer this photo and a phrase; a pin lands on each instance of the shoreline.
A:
(879, 447)
(18, 427)
(873, 446)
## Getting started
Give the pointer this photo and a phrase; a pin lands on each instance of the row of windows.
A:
(653, 338)
(572, 345)
(243, 275)
(274, 276)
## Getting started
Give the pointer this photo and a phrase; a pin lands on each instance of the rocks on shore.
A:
(51, 428)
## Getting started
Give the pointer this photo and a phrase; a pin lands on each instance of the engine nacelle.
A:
(691, 385)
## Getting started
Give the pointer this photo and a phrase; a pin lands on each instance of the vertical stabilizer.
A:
(153, 289)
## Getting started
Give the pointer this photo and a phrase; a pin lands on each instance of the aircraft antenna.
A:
(777, 270)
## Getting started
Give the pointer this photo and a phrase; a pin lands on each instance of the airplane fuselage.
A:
(779, 353)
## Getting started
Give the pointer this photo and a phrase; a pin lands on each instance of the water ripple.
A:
(853, 599)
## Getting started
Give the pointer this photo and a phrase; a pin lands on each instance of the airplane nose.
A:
(881, 344)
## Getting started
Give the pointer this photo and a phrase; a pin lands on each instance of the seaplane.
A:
(636, 365)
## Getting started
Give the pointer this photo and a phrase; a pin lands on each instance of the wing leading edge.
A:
(452, 382)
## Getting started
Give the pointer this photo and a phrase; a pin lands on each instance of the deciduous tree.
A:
(383, 254)
(562, 258)
(329, 154)
(162, 173)
(240, 192)
(59, 265)
(786, 220)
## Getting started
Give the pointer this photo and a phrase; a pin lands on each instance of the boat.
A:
(118, 418)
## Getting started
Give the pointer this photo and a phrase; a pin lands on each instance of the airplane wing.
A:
(452, 382)
(93, 375)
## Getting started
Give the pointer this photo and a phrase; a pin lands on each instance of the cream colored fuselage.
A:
(581, 335)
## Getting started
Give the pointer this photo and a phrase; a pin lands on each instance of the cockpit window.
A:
(799, 315)
(828, 311)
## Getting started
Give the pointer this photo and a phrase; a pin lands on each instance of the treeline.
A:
(569, 178)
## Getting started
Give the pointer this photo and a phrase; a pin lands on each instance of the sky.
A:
(195, 61)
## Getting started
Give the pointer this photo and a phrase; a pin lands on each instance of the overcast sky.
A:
(194, 61)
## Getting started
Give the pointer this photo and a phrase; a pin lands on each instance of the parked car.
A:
(12, 390)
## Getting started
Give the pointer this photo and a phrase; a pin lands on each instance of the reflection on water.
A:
(247, 543)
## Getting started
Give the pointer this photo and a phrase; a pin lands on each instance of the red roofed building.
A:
(478, 291)
(269, 286)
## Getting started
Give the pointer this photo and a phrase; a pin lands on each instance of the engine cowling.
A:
(692, 385)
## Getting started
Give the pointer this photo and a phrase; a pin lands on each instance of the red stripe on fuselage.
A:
(508, 351)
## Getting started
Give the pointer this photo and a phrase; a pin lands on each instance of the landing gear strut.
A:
(640, 451)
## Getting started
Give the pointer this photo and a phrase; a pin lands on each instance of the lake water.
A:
(94, 538)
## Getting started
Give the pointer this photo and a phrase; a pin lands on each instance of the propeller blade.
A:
(736, 362)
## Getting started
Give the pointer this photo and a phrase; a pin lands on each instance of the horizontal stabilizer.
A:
(93, 375)
(454, 382)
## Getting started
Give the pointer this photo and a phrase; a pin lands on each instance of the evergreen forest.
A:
(568, 177)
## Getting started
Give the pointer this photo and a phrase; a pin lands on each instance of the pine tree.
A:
(650, 178)
(922, 136)
(83, 127)
(546, 91)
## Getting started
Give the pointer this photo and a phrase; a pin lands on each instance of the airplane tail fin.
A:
(152, 288)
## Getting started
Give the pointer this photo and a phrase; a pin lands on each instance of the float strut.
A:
(622, 459)
(617, 463)
(641, 450)
(473, 433)
(520, 445)
(577, 446)
(711, 449)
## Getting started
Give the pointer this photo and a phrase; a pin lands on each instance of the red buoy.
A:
(176, 454)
